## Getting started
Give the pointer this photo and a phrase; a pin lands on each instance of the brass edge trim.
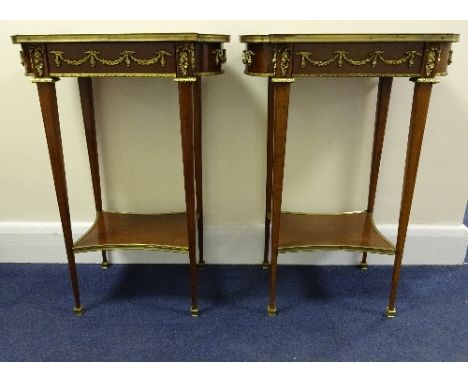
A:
(37, 80)
(58, 74)
(378, 232)
(77, 248)
(327, 247)
(317, 38)
(326, 214)
(165, 75)
(258, 74)
(356, 74)
(362, 74)
(425, 80)
(148, 214)
(209, 73)
(128, 37)
(185, 79)
(133, 246)
(288, 80)
(343, 74)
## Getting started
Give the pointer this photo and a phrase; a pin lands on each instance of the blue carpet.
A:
(141, 313)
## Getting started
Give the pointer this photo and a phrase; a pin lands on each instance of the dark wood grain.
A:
(280, 123)
(354, 60)
(198, 165)
(85, 86)
(421, 98)
(269, 175)
(282, 58)
(46, 57)
(50, 117)
(353, 231)
(381, 112)
(186, 102)
(113, 230)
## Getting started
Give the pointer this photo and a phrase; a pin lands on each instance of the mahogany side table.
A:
(185, 57)
(282, 58)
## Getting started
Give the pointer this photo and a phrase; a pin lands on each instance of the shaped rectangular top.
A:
(127, 37)
(374, 37)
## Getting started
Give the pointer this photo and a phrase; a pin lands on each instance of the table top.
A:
(374, 37)
(127, 37)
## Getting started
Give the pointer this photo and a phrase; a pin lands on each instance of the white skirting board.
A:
(232, 244)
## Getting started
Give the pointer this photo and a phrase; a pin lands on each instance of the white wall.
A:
(328, 148)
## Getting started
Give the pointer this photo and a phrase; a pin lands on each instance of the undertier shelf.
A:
(113, 230)
(353, 231)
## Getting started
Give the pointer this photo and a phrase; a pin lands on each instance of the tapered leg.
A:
(186, 104)
(383, 100)
(421, 98)
(280, 122)
(198, 166)
(87, 108)
(50, 116)
(271, 111)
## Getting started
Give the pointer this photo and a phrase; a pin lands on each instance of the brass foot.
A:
(363, 266)
(390, 313)
(194, 311)
(271, 310)
(105, 265)
(78, 310)
(265, 265)
(201, 264)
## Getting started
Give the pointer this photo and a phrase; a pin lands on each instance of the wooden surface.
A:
(135, 231)
(423, 55)
(120, 37)
(185, 57)
(49, 108)
(128, 55)
(187, 124)
(381, 112)
(420, 108)
(283, 58)
(280, 123)
(350, 37)
(353, 231)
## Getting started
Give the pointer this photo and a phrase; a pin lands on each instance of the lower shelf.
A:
(112, 230)
(354, 231)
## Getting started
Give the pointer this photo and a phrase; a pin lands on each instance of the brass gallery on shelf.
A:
(188, 57)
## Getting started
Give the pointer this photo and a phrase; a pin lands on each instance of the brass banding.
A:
(130, 37)
(284, 38)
